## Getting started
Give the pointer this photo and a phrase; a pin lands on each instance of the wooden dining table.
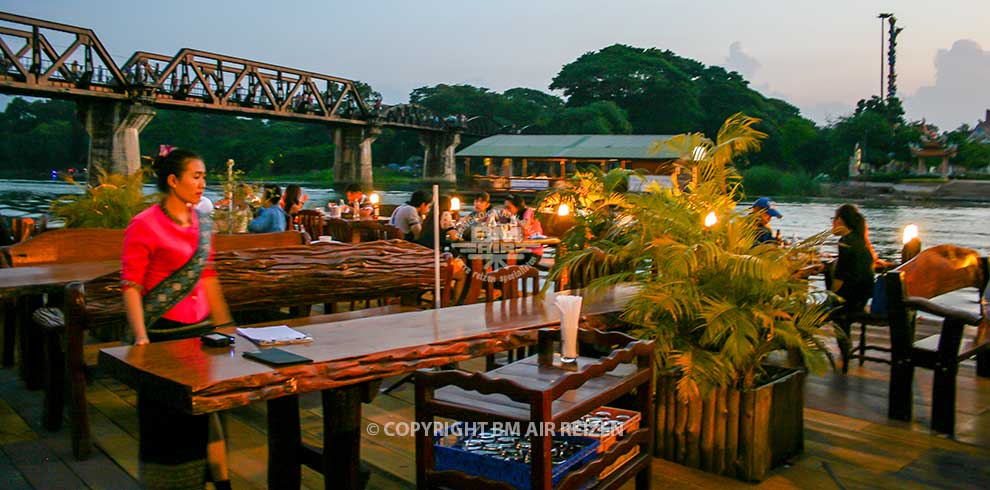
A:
(345, 356)
(17, 282)
(36, 279)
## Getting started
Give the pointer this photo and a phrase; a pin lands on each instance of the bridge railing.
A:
(29, 59)
(198, 77)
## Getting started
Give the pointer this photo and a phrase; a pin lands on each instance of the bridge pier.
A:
(439, 163)
(352, 155)
(114, 129)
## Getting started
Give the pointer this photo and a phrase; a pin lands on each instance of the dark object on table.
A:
(216, 339)
(277, 357)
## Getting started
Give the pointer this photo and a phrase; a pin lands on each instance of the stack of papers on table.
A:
(276, 335)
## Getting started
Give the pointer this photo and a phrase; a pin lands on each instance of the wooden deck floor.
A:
(850, 444)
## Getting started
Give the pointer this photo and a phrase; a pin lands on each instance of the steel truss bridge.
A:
(34, 63)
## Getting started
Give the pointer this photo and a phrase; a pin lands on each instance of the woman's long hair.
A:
(519, 203)
(856, 223)
(293, 195)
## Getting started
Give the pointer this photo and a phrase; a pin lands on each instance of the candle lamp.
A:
(455, 208)
(563, 210)
(711, 219)
(374, 198)
(911, 241)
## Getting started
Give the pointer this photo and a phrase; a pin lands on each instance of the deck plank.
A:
(12, 426)
(97, 472)
(9, 474)
(40, 466)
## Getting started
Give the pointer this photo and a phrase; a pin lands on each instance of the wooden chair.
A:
(339, 229)
(514, 281)
(371, 231)
(387, 209)
(910, 288)
(874, 315)
(22, 228)
(312, 222)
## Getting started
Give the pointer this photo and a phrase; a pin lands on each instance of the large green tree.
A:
(971, 155)
(664, 93)
(39, 136)
(602, 117)
(515, 109)
(879, 128)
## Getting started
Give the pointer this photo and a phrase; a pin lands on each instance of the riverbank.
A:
(951, 192)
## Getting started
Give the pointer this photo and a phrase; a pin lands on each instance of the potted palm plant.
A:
(717, 305)
(110, 204)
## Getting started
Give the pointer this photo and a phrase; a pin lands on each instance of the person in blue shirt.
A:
(271, 218)
(764, 209)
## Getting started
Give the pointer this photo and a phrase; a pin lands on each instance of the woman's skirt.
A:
(172, 451)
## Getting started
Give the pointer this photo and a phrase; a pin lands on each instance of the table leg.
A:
(342, 437)
(9, 330)
(284, 441)
(30, 342)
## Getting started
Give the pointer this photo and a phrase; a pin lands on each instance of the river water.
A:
(963, 225)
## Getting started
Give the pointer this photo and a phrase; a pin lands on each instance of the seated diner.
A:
(271, 218)
(408, 218)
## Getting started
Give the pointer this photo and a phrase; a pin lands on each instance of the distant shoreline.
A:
(951, 192)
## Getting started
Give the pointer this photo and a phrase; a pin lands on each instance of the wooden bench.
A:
(72, 245)
(76, 245)
(252, 279)
(910, 288)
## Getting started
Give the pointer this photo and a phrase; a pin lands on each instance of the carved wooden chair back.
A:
(514, 281)
(312, 222)
(339, 229)
(370, 231)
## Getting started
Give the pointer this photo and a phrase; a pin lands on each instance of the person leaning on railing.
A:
(171, 291)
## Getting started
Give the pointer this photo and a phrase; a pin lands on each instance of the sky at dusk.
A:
(821, 56)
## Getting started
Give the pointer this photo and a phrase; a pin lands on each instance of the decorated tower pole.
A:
(892, 33)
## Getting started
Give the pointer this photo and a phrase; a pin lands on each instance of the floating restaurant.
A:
(533, 163)
(651, 343)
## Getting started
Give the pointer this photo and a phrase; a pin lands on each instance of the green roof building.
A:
(519, 162)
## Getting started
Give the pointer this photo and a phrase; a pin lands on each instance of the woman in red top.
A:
(171, 291)
(515, 206)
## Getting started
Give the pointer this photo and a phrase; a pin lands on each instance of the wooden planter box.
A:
(742, 434)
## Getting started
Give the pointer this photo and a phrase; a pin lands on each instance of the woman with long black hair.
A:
(171, 291)
(852, 279)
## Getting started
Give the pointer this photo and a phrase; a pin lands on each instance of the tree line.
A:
(619, 89)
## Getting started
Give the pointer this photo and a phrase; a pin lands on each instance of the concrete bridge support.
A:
(114, 129)
(439, 163)
(352, 155)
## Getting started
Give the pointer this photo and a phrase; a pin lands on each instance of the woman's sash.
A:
(180, 283)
